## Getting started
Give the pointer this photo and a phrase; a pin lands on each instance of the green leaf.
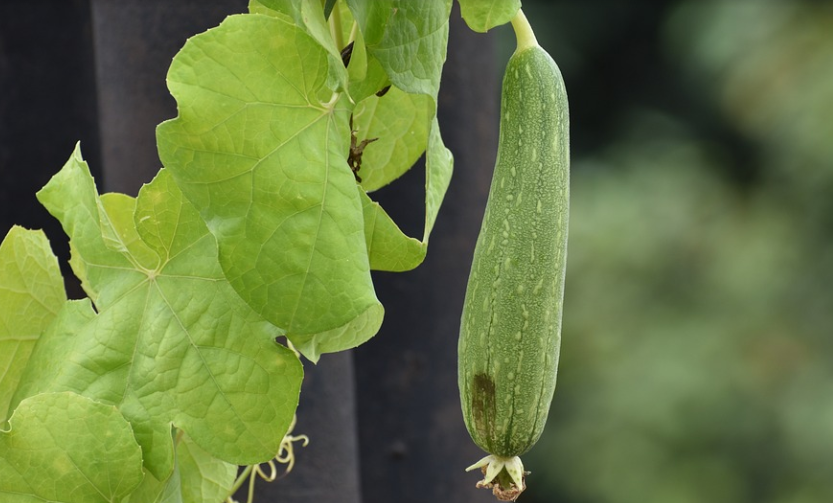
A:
(172, 345)
(62, 447)
(197, 477)
(400, 123)
(275, 7)
(408, 38)
(203, 477)
(309, 16)
(438, 167)
(366, 75)
(389, 248)
(152, 490)
(338, 339)
(264, 159)
(31, 294)
(483, 15)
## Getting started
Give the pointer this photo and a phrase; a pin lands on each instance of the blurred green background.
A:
(697, 357)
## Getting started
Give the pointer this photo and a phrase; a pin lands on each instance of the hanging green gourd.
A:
(510, 333)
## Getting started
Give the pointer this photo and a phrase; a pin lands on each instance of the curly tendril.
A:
(268, 471)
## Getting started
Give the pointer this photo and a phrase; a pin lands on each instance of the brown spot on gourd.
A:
(483, 404)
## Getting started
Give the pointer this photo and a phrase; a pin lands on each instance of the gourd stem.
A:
(523, 32)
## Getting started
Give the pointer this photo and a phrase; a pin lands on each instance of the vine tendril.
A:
(269, 472)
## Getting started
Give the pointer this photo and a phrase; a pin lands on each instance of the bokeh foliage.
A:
(696, 362)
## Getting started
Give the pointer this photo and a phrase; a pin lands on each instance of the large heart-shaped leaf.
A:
(169, 341)
(65, 448)
(260, 147)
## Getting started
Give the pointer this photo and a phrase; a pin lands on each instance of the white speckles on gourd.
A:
(515, 291)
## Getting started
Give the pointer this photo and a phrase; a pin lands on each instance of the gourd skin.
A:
(510, 333)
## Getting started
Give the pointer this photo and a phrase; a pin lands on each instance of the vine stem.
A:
(239, 481)
(523, 32)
